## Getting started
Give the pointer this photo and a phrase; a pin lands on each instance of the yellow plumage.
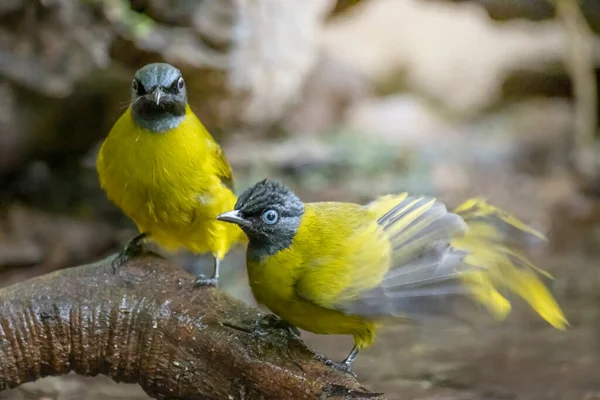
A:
(506, 268)
(322, 268)
(350, 267)
(171, 184)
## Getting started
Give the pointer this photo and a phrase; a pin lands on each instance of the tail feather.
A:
(477, 209)
(441, 255)
(501, 266)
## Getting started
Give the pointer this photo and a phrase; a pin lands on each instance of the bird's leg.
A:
(133, 248)
(272, 321)
(345, 365)
(202, 280)
(353, 353)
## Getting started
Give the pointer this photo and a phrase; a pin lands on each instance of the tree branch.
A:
(148, 325)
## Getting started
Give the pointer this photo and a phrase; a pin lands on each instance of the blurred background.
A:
(343, 100)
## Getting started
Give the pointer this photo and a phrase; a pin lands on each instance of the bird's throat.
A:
(258, 249)
(157, 118)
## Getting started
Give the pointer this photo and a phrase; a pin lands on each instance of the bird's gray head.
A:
(158, 97)
(270, 214)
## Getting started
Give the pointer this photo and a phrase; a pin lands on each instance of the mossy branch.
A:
(147, 324)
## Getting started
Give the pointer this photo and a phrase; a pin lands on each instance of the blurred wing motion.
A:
(437, 255)
(501, 266)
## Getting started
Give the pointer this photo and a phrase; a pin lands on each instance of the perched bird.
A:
(343, 268)
(160, 165)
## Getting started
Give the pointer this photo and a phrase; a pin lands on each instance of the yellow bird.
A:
(160, 165)
(343, 268)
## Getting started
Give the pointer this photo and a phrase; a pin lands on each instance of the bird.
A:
(165, 171)
(344, 268)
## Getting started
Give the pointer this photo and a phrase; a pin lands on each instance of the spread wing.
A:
(390, 262)
(419, 259)
(424, 273)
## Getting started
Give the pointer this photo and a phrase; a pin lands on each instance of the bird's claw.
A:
(274, 322)
(118, 261)
(133, 248)
(202, 280)
(340, 366)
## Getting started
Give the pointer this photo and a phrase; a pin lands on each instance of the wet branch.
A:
(148, 325)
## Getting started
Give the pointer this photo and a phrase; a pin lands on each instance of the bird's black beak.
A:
(234, 217)
(156, 95)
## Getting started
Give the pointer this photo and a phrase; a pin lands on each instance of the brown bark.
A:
(146, 324)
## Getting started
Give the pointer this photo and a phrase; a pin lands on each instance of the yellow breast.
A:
(273, 281)
(167, 183)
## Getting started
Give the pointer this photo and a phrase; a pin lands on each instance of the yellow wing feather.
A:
(224, 171)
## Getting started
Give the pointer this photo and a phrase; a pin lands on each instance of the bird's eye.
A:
(270, 217)
(137, 87)
(180, 83)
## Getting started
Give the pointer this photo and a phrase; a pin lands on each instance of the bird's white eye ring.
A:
(180, 83)
(134, 85)
(270, 217)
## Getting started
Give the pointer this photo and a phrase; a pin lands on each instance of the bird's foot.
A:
(213, 281)
(202, 280)
(272, 321)
(340, 366)
(132, 249)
